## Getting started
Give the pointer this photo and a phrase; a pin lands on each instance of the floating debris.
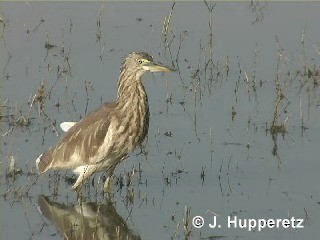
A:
(48, 45)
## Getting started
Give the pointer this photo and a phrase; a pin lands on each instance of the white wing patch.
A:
(65, 126)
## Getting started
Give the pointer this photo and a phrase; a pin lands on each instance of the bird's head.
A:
(143, 62)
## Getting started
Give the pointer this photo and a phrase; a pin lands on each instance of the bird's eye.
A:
(139, 61)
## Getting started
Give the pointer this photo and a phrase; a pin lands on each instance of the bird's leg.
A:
(108, 182)
(84, 175)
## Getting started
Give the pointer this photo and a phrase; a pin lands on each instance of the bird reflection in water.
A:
(86, 221)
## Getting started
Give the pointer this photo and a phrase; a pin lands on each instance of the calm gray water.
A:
(234, 132)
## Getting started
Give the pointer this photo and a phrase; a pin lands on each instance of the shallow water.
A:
(234, 132)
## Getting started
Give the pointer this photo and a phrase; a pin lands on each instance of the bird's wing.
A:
(83, 143)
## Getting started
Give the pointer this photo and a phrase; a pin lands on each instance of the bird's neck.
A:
(131, 92)
(132, 108)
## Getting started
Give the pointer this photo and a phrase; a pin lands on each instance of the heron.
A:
(105, 137)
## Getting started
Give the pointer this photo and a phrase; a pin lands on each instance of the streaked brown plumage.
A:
(103, 138)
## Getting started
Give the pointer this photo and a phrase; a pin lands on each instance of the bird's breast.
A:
(131, 125)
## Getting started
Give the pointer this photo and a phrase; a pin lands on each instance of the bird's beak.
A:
(157, 67)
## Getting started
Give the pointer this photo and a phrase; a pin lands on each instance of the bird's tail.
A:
(43, 162)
